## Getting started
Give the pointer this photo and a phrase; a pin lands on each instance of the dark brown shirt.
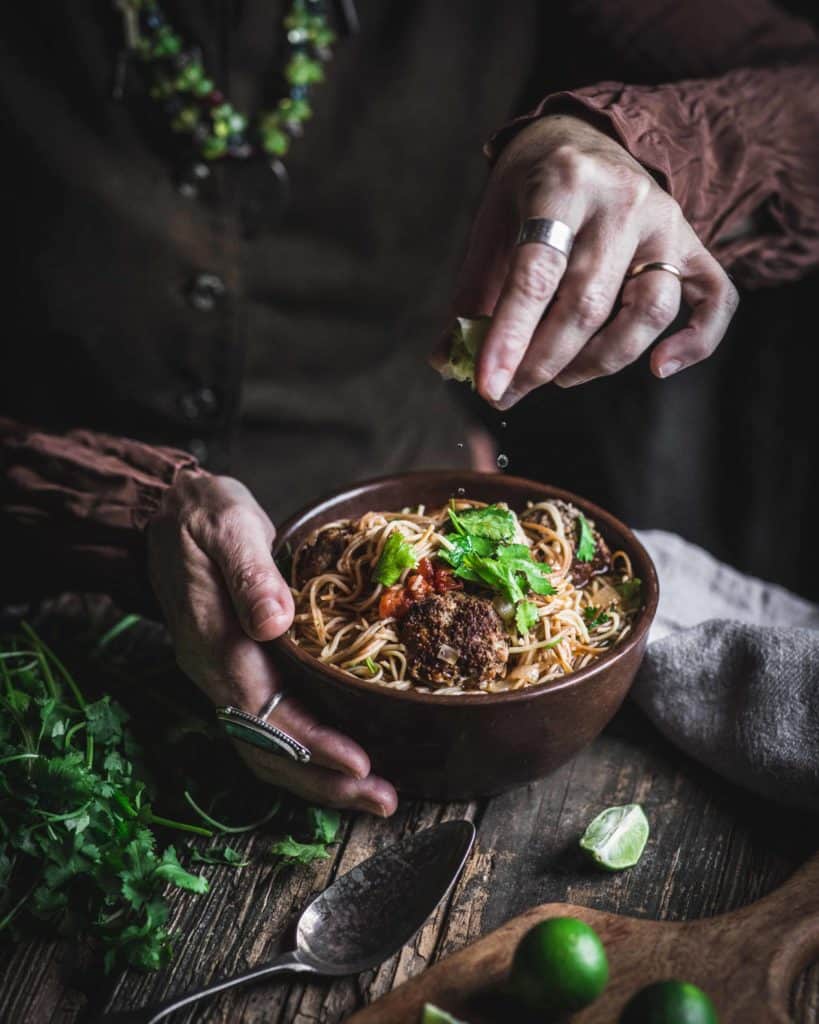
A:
(287, 348)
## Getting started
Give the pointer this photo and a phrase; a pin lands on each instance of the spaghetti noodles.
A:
(347, 619)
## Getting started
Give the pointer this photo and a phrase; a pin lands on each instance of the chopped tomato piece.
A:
(418, 588)
(426, 569)
(392, 603)
(445, 580)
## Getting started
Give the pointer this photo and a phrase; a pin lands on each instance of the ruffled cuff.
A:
(739, 153)
(74, 508)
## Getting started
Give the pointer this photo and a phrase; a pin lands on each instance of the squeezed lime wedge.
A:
(616, 838)
(434, 1015)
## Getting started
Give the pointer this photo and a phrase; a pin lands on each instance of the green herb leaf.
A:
(325, 823)
(396, 556)
(631, 592)
(294, 852)
(224, 855)
(525, 616)
(595, 616)
(586, 544)
(492, 522)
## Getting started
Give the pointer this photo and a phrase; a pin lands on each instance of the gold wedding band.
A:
(641, 268)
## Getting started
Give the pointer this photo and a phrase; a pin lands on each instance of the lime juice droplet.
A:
(502, 461)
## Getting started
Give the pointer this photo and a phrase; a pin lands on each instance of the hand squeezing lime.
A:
(616, 838)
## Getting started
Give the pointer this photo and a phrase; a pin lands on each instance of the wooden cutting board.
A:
(747, 961)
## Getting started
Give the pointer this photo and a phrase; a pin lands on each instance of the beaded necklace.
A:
(178, 81)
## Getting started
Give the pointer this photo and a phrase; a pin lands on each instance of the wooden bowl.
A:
(464, 746)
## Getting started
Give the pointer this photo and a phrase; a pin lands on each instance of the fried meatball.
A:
(465, 629)
(580, 572)
(321, 552)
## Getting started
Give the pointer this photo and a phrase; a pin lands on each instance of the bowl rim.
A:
(611, 524)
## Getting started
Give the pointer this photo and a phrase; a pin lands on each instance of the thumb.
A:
(260, 595)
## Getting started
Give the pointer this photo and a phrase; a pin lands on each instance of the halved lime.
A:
(435, 1015)
(617, 837)
(670, 1002)
(560, 966)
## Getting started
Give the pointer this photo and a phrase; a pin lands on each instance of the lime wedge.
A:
(617, 837)
(434, 1015)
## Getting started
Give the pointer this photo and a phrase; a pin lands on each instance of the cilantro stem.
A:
(7, 918)
(22, 757)
(181, 826)
(69, 679)
(124, 623)
(232, 829)
(49, 816)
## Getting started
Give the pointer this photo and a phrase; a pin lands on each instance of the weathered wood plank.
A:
(712, 849)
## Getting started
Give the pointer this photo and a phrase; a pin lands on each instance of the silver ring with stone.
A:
(545, 231)
(253, 729)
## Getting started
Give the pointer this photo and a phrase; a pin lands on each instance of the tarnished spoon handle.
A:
(286, 962)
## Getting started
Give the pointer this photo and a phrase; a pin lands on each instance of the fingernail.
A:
(670, 368)
(568, 380)
(371, 807)
(496, 385)
(508, 400)
(264, 611)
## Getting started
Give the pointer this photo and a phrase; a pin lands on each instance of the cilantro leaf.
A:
(396, 555)
(294, 852)
(170, 870)
(325, 823)
(586, 544)
(224, 855)
(595, 616)
(525, 616)
(519, 559)
(631, 592)
(492, 522)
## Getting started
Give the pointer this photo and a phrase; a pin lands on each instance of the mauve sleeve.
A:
(73, 510)
(739, 150)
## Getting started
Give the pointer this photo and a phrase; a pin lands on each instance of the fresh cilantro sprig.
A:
(76, 816)
(396, 556)
(78, 849)
(480, 551)
(586, 544)
(325, 825)
(594, 616)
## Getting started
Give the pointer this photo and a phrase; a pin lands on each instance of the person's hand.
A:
(551, 316)
(222, 596)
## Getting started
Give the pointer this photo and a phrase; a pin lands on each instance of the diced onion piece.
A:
(504, 608)
(448, 654)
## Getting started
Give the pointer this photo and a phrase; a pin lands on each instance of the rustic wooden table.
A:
(713, 848)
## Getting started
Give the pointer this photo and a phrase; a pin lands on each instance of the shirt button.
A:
(198, 449)
(199, 404)
(205, 291)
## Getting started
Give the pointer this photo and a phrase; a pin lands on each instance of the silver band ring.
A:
(554, 233)
(641, 268)
(270, 705)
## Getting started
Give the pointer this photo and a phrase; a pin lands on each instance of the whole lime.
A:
(670, 1002)
(560, 966)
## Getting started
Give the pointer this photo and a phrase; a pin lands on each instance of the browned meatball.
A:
(321, 552)
(466, 630)
(580, 572)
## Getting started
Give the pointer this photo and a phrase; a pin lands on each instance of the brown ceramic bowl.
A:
(458, 747)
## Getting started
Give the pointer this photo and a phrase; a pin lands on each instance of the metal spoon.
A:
(360, 920)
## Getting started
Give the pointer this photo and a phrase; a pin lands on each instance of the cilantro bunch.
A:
(481, 550)
(75, 813)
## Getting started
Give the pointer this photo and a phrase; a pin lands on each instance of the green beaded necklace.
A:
(177, 80)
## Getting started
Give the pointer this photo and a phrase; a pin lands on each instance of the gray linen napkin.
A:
(731, 675)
